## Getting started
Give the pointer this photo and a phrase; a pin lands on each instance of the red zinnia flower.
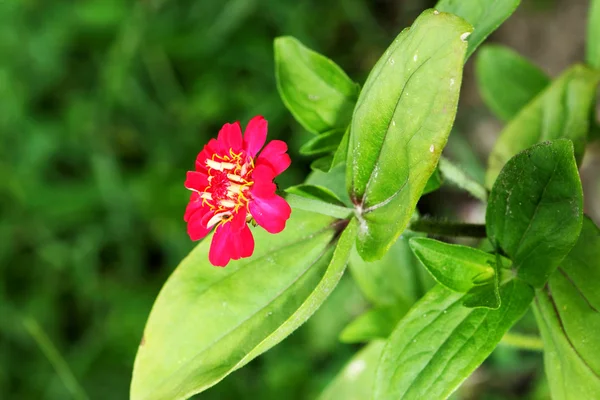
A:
(231, 186)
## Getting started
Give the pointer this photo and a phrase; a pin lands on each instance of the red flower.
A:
(231, 186)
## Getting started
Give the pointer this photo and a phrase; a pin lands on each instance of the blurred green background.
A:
(104, 106)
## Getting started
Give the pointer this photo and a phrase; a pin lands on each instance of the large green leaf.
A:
(316, 90)
(356, 380)
(462, 269)
(485, 16)
(210, 321)
(401, 124)
(536, 208)
(439, 343)
(568, 312)
(507, 81)
(560, 111)
(593, 36)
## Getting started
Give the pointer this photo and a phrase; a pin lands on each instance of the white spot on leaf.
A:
(464, 36)
(313, 97)
(415, 57)
(431, 148)
(355, 368)
(451, 82)
(392, 62)
(436, 12)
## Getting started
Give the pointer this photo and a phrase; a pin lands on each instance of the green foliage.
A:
(241, 314)
(568, 316)
(507, 81)
(560, 111)
(316, 90)
(593, 35)
(326, 143)
(439, 343)
(376, 323)
(536, 208)
(461, 269)
(485, 16)
(356, 380)
(317, 199)
(401, 124)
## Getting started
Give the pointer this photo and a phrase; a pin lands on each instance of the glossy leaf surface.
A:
(209, 321)
(536, 208)
(439, 343)
(401, 124)
(568, 312)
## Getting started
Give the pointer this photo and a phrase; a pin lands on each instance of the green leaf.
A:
(401, 124)
(560, 111)
(397, 278)
(434, 183)
(568, 313)
(208, 322)
(355, 381)
(439, 343)
(461, 269)
(507, 81)
(316, 90)
(325, 143)
(376, 323)
(317, 199)
(323, 164)
(485, 16)
(592, 55)
(536, 208)
(334, 180)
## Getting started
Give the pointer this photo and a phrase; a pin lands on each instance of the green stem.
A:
(455, 175)
(524, 342)
(448, 228)
(58, 362)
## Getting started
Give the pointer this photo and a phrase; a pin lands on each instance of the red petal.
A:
(274, 155)
(246, 242)
(239, 220)
(196, 181)
(197, 223)
(263, 186)
(219, 254)
(207, 152)
(194, 205)
(230, 137)
(255, 135)
(271, 213)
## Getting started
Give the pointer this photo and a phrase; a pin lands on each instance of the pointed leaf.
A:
(317, 199)
(568, 312)
(209, 321)
(316, 90)
(401, 124)
(325, 143)
(507, 81)
(485, 16)
(560, 111)
(460, 268)
(439, 343)
(536, 208)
